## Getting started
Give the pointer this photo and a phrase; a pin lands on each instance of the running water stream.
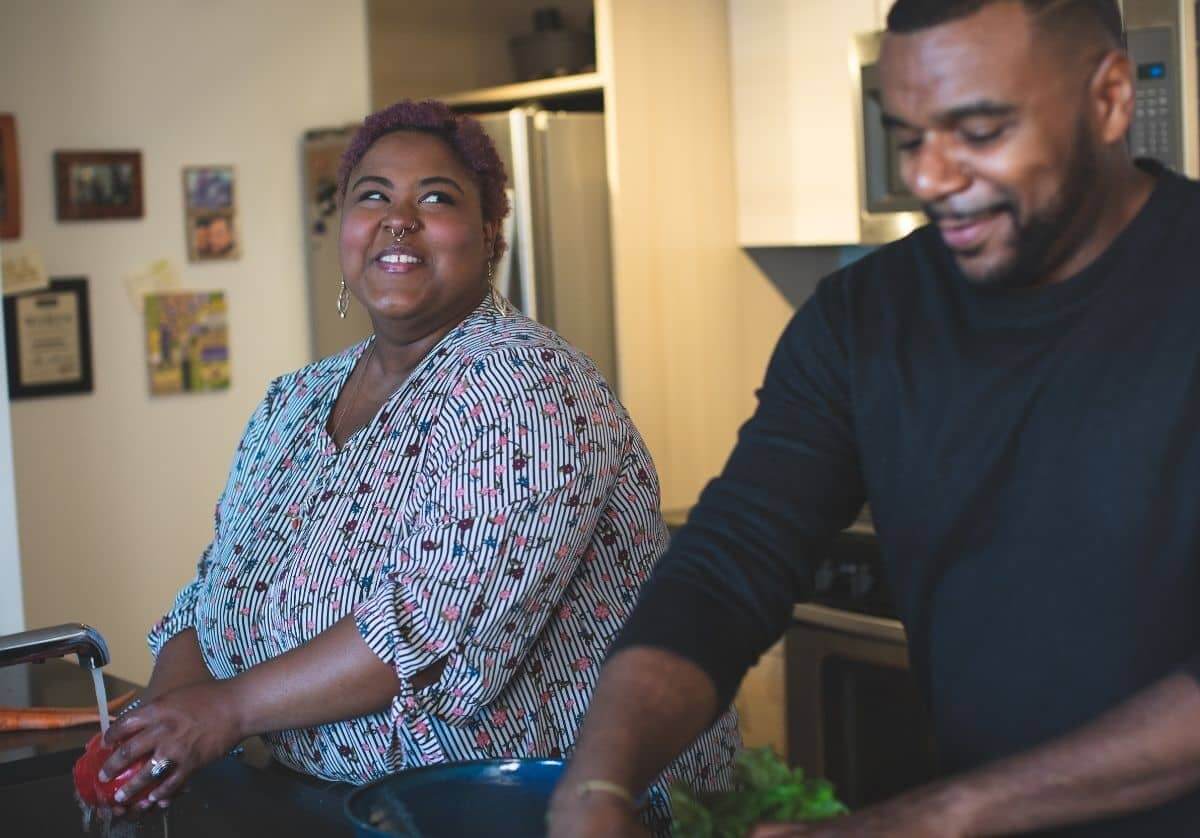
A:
(101, 698)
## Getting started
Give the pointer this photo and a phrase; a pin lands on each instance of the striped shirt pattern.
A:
(500, 512)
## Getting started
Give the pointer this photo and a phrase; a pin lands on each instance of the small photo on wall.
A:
(210, 213)
(10, 179)
(212, 235)
(97, 185)
(187, 341)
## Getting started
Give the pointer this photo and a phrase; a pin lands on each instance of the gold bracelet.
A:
(588, 786)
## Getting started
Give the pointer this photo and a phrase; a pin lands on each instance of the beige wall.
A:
(696, 317)
(115, 489)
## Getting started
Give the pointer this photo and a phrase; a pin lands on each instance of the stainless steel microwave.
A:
(1162, 39)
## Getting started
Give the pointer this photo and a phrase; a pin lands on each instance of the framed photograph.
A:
(10, 179)
(187, 341)
(95, 185)
(210, 213)
(48, 340)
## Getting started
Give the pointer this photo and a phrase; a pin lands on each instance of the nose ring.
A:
(403, 229)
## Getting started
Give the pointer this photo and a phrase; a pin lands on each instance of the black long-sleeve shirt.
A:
(1032, 460)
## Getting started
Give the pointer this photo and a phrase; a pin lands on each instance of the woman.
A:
(427, 541)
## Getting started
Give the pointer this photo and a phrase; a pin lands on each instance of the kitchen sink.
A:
(229, 798)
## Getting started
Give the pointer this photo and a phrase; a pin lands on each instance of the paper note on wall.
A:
(23, 269)
(156, 277)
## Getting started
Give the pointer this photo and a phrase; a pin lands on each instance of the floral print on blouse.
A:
(499, 512)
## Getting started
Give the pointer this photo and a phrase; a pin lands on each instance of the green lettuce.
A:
(765, 790)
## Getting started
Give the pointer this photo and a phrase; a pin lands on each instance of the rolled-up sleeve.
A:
(182, 615)
(530, 451)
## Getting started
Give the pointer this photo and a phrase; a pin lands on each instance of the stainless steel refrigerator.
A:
(558, 268)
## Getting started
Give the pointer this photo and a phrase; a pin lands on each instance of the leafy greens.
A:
(765, 790)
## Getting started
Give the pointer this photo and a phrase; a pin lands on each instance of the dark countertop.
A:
(247, 796)
(55, 683)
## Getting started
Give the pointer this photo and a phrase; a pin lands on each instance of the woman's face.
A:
(436, 274)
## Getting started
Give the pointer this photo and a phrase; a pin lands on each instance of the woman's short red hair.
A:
(464, 135)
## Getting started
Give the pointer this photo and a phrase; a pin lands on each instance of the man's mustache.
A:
(962, 215)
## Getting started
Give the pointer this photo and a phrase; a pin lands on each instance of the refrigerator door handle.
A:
(503, 267)
(522, 177)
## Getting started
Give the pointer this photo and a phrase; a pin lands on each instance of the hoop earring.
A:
(343, 300)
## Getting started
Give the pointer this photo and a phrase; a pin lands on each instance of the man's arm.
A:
(1140, 754)
(648, 706)
(724, 591)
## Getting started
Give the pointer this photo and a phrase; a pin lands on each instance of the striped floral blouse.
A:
(501, 512)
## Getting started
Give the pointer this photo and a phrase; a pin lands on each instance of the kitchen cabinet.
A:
(796, 156)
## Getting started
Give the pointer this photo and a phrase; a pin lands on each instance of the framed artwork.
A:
(48, 340)
(187, 341)
(95, 185)
(210, 213)
(10, 179)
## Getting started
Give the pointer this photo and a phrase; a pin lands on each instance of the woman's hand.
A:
(190, 726)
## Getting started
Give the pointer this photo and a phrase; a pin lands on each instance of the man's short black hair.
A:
(1079, 17)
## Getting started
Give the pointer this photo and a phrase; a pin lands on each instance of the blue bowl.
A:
(482, 799)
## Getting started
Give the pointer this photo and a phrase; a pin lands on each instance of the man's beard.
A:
(1037, 243)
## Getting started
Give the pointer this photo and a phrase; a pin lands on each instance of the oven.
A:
(855, 713)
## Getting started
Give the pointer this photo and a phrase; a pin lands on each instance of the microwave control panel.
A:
(1157, 130)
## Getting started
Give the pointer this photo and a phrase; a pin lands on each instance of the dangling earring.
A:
(502, 305)
(343, 301)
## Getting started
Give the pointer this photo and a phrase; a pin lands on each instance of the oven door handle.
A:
(860, 625)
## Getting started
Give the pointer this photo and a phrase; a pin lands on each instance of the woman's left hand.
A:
(191, 726)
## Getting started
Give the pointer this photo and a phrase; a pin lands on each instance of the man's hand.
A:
(934, 811)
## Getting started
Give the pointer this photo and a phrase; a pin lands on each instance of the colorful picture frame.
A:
(210, 213)
(98, 185)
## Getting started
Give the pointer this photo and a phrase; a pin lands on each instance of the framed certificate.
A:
(48, 340)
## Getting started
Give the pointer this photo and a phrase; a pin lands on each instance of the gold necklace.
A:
(353, 402)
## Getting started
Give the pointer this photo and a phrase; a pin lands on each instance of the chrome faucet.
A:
(55, 642)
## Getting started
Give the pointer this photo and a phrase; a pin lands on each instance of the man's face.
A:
(220, 236)
(994, 140)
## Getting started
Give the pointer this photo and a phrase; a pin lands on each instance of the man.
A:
(220, 237)
(1015, 388)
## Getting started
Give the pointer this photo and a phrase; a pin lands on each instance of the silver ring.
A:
(158, 767)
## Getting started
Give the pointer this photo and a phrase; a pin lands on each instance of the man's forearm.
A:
(649, 705)
(1143, 753)
(179, 663)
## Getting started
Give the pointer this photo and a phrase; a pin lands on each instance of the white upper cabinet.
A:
(795, 147)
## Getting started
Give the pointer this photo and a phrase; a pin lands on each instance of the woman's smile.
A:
(398, 259)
